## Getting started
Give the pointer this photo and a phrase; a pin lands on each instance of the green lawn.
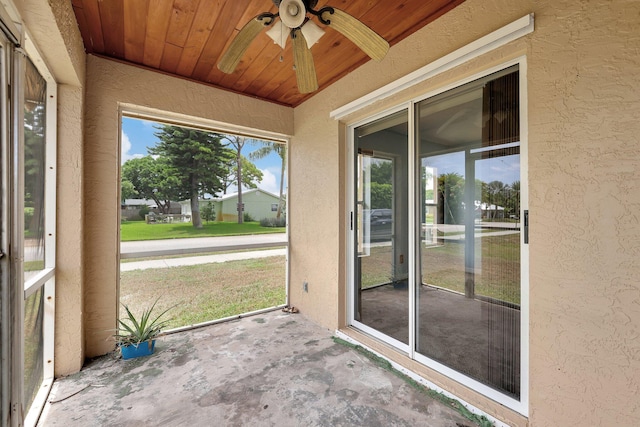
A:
(139, 230)
(204, 292)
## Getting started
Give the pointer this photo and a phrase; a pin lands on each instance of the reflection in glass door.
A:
(381, 299)
(469, 294)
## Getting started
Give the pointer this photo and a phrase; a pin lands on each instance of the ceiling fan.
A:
(304, 33)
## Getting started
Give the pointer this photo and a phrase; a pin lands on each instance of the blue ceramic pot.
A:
(143, 349)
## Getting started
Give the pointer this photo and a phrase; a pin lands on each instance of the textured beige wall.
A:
(584, 171)
(55, 33)
(584, 157)
(69, 329)
(109, 85)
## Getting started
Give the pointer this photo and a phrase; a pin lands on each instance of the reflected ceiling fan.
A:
(295, 22)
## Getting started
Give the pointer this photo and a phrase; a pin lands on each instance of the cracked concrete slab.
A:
(266, 370)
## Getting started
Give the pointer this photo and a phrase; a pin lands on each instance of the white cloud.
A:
(149, 124)
(125, 146)
(269, 182)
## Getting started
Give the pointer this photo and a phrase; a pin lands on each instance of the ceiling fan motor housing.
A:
(310, 4)
(292, 13)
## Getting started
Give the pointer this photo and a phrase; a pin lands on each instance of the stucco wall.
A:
(584, 196)
(109, 85)
(69, 329)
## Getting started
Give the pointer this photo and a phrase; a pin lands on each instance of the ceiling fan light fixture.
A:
(292, 13)
(279, 34)
(304, 34)
(311, 33)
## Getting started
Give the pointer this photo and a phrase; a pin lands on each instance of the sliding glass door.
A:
(444, 283)
(381, 301)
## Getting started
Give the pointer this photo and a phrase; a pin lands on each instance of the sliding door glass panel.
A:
(35, 90)
(381, 299)
(468, 298)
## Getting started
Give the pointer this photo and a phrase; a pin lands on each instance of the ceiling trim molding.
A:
(491, 41)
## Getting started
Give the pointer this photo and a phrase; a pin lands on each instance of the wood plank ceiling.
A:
(186, 38)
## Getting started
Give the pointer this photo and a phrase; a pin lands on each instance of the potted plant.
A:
(136, 336)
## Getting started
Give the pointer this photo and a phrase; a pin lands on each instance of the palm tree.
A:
(495, 190)
(238, 142)
(281, 150)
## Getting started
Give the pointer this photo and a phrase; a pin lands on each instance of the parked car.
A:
(381, 222)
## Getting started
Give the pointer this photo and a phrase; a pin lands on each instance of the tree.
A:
(198, 161)
(381, 195)
(34, 167)
(237, 142)
(280, 150)
(381, 171)
(381, 186)
(450, 198)
(208, 212)
(127, 190)
(152, 178)
(513, 199)
(251, 175)
(496, 193)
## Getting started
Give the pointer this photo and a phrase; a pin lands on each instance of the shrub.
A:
(143, 211)
(273, 222)
(208, 212)
(247, 217)
(28, 216)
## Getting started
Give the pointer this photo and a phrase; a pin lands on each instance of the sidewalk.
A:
(194, 245)
(195, 260)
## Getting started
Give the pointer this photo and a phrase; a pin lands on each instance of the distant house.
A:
(486, 210)
(257, 203)
(131, 207)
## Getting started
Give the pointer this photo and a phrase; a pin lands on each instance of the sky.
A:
(504, 168)
(138, 135)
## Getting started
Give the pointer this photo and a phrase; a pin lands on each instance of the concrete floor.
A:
(273, 369)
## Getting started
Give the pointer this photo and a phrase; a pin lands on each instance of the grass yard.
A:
(497, 272)
(140, 230)
(497, 266)
(377, 267)
(208, 291)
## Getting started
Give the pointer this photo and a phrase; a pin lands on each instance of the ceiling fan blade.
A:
(230, 59)
(364, 37)
(303, 61)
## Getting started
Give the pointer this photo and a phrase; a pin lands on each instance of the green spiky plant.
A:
(133, 331)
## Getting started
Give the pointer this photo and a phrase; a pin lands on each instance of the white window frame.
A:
(496, 39)
(46, 278)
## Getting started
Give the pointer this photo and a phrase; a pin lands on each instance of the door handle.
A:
(526, 226)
